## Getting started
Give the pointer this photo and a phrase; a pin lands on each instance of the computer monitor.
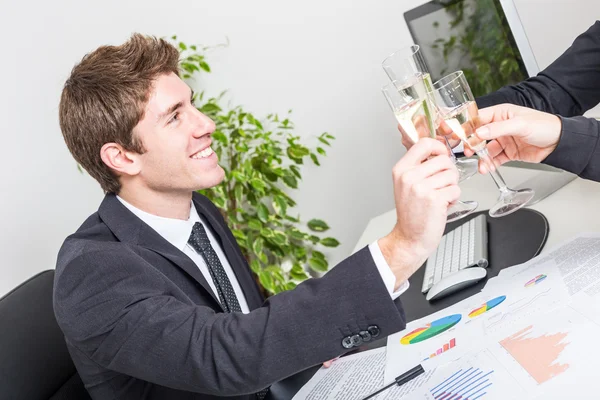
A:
(485, 39)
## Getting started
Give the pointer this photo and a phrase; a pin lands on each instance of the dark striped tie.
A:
(200, 242)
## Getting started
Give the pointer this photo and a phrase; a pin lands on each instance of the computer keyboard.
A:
(463, 247)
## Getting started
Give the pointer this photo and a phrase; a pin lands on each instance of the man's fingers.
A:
(494, 130)
(443, 179)
(449, 194)
(428, 168)
(420, 152)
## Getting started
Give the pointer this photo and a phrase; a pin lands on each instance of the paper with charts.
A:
(531, 333)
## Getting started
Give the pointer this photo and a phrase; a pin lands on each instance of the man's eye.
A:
(174, 118)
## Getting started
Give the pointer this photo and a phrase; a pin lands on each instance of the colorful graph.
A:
(537, 355)
(432, 329)
(487, 306)
(450, 345)
(536, 280)
(465, 384)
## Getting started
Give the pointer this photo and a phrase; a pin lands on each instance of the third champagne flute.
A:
(456, 104)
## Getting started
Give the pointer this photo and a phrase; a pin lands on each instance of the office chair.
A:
(34, 361)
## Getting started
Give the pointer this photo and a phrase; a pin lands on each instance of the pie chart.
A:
(487, 306)
(430, 330)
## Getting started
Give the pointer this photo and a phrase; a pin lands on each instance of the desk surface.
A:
(570, 210)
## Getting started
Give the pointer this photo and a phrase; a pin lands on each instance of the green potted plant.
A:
(262, 159)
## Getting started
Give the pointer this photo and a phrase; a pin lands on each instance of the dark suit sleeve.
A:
(123, 314)
(569, 86)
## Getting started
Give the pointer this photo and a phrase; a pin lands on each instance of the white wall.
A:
(321, 58)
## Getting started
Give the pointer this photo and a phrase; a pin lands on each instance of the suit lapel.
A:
(231, 249)
(128, 228)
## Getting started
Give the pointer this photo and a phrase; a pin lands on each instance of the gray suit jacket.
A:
(141, 322)
(568, 87)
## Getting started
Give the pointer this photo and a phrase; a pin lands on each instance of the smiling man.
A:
(152, 292)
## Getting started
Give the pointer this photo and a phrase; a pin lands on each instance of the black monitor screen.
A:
(468, 35)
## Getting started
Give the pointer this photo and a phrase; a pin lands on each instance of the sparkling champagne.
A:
(463, 122)
(416, 117)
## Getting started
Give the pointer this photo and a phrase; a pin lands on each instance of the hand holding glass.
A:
(456, 104)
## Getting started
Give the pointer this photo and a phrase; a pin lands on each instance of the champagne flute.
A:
(413, 109)
(456, 104)
(402, 65)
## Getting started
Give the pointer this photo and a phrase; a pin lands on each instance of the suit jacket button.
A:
(374, 330)
(347, 342)
(356, 340)
(366, 336)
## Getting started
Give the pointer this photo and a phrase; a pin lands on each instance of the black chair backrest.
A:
(34, 361)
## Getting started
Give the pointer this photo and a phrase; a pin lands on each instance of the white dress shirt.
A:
(177, 232)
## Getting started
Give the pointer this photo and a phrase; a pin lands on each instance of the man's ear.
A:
(121, 161)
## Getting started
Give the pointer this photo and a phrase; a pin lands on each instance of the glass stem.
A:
(493, 170)
(452, 155)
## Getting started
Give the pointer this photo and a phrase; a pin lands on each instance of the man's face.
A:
(176, 137)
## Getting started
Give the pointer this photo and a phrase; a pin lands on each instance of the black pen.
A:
(401, 380)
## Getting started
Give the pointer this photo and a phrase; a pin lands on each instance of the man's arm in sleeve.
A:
(122, 315)
(578, 150)
(568, 87)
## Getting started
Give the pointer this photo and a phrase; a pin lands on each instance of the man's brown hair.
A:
(104, 99)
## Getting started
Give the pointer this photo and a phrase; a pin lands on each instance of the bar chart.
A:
(447, 346)
(465, 384)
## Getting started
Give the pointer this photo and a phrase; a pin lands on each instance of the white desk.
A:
(572, 209)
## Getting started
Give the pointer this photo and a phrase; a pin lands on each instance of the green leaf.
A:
(323, 140)
(182, 46)
(314, 239)
(296, 171)
(258, 184)
(296, 234)
(280, 238)
(257, 246)
(266, 280)
(263, 213)
(300, 253)
(321, 151)
(209, 108)
(317, 264)
(220, 137)
(291, 181)
(315, 159)
(219, 202)
(327, 135)
(255, 224)
(318, 254)
(255, 266)
(204, 66)
(193, 47)
(240, 177)
(266, 232)
(239, 235)
(317, 225)
(298, 273)
(238, 193)
(279, 205)
(330, 242)
(290, 286)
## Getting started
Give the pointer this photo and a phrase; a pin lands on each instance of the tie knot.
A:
(199, 239)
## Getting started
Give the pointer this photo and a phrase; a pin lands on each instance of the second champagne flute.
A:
(413, 111)
(455, 102)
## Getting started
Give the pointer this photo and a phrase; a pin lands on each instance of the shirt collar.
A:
(175, 231)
